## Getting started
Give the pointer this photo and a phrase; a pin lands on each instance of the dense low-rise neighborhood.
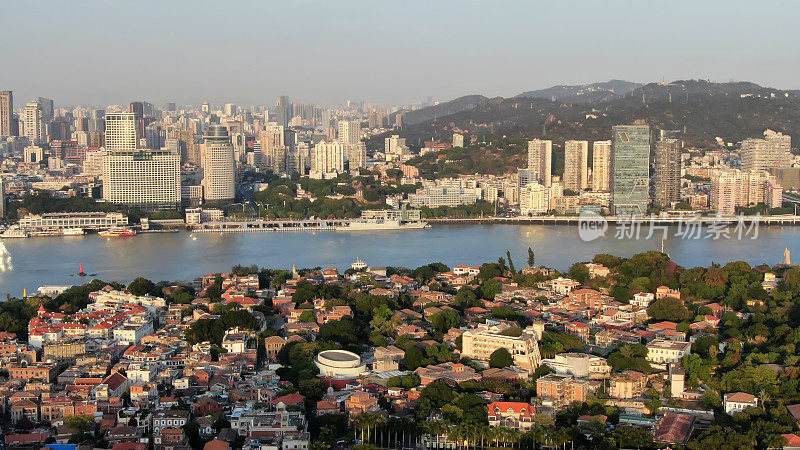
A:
(617, 352)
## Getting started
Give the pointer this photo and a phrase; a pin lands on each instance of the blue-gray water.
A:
(30, 263)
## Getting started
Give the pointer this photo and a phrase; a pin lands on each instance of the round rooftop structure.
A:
(217, 133)
(339, 364)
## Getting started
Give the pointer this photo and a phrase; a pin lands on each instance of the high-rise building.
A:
(630, 169)
(6, 113)
(231, 109)
(349, 131)
(771, 152)
(327, 157)
(325, 119)
(576, 165)
(731, 188)
(667, 172)
(283, 111)
(122, 134)
(188, 146)
(394, 145)
(48, 109)
(136, 108)
(33, 117)
(97, 121)
(540, 159)
(2, 198)
(525, 177)
(273, 137)
(219, 166)
(146, 178)
(154, 136)
(534, 198)
(458, 140)
(601, 166)
(375, 120)
(356, 155)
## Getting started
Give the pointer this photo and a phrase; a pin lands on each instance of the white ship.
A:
(381, 224)
(14, 232)
(72, 232)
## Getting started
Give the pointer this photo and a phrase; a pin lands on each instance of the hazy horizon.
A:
(99, 53)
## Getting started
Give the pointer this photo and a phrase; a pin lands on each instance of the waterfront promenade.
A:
(239, 225)
(576, 220)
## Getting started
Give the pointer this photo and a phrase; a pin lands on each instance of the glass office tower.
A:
(630, 169)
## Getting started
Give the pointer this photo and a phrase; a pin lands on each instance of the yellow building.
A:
(481, 342)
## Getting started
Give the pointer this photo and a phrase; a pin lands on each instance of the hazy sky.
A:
(250, 52)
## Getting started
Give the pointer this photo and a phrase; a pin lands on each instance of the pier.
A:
(241, 226)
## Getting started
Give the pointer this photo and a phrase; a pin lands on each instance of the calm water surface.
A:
(30, 263)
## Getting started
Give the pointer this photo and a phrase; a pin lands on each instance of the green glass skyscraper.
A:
(630, 169)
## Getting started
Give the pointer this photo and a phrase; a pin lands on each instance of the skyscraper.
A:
(33, 117)
(540, 159)
(283, 111)
(763, 154)
(630, 169)
(667, 172)
(6, 113)
(576, 165)
(97, 121)
(601, 166)
(219, 167)
(121, 132)
(48, 109)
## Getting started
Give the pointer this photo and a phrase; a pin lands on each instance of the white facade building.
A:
(576, 165)
(540, 159)
(601, 166)
(145, 177)
(121, 132)
(219, 167)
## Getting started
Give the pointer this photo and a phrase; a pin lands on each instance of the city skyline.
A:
(284, 49)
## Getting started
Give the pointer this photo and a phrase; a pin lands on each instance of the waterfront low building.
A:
(85, 220)
(436, 196)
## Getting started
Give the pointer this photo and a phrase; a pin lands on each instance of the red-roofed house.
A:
(664, 292)
(792, 442)
(293, 399)
(515, 415)
(739, 401)
(588, 297)
(579, 329)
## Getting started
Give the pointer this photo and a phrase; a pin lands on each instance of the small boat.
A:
(117, 232)
(72, 232)
(14, 232)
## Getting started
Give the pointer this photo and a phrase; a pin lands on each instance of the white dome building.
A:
(339, 364)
